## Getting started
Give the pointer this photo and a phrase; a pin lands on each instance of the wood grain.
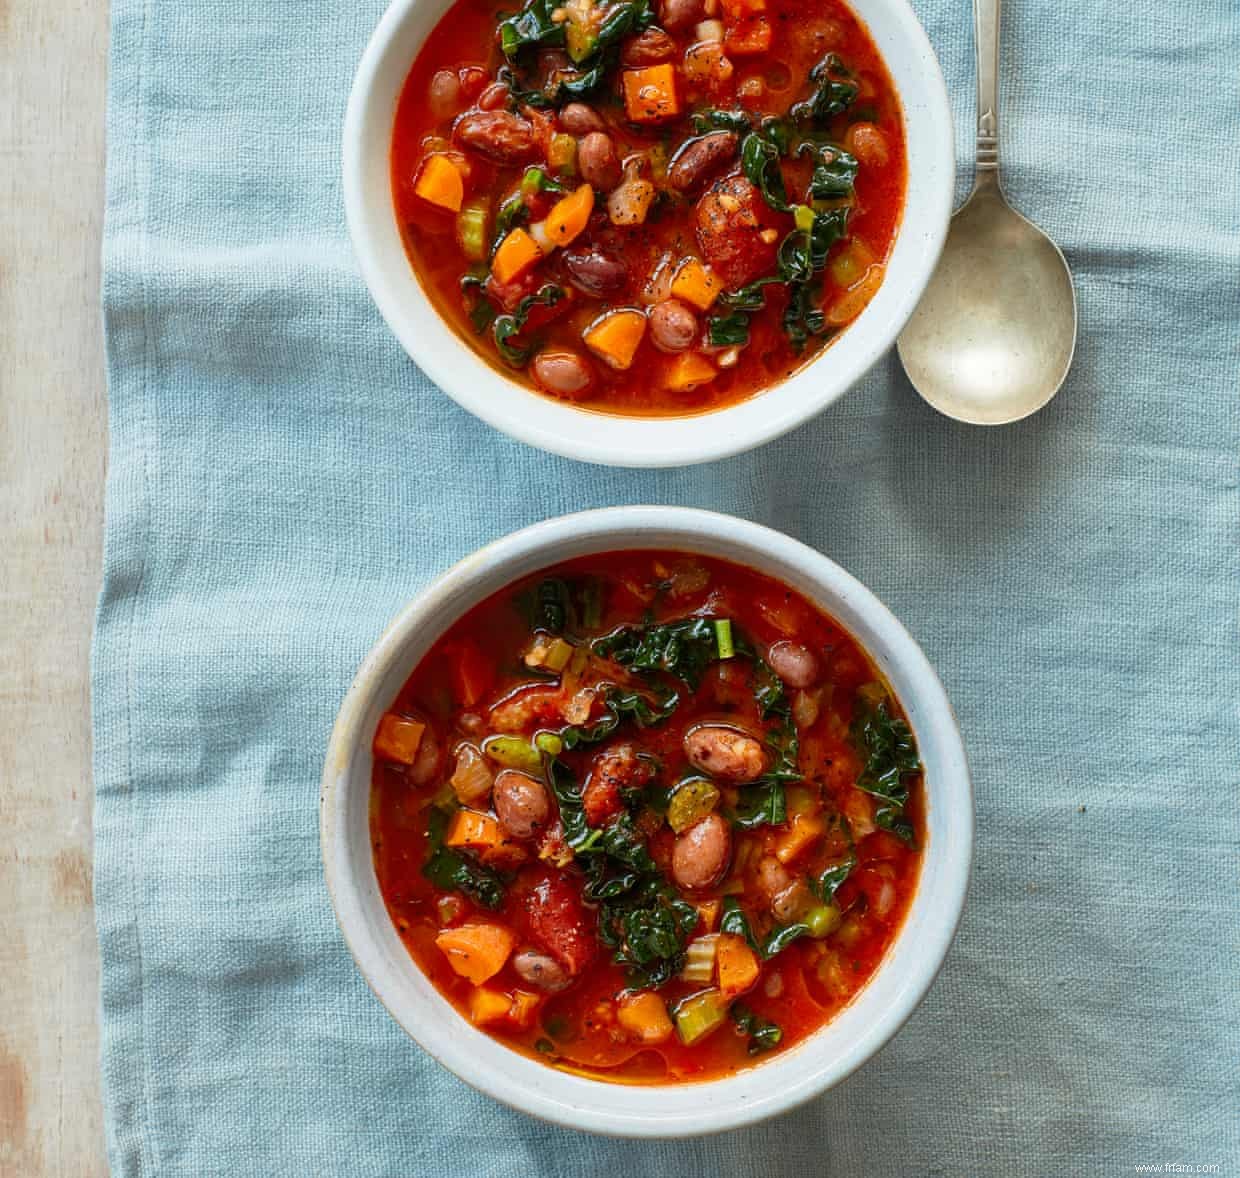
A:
(52, 462)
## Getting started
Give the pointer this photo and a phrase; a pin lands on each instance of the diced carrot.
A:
(614, 336)
(516, 254)
(477, 951)
(740, 9)
(806, 829)
(398, 739)
(645, 1017)
(708, 914)
(687, 371)
(696, 284)
(650, 93)
(737, 964)
(857, 297)
(569, 216)
(489, 1006)
(524, 1004)
(440, 183)
(748, 37)
(471, 828)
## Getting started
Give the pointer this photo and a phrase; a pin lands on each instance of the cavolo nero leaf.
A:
(619, 704)
(760, 162)
(734, 920)
(835, 89)
(763, 1034)
(641, 918)
(835, 170)
(728, 330)
(683, 649)
(506, 327)
(531, 27)
(453, 872)
(890, 752)
(534, 28)
(721, 120)
(827, 882)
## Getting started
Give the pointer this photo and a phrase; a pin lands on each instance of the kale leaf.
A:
(721, 120)
(734, 920)
(506, 327)
(760, 154)
(482, 313)
(532, 27)
(835, 89)
(452, 872)
(620, 704)
(835, 172)
(763, 803)
(683, 649)
(826, 883)
(727, 330)
(763, 1035)
(886, 742)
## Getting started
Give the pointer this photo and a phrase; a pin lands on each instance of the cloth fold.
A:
(282, 479)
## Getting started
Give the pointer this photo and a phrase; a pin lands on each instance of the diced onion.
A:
(700, 959)
(471, 778)
(709, 30)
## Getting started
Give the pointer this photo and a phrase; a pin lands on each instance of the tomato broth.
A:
(649, 208)
(647, 816)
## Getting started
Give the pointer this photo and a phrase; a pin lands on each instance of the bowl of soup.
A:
(647, 821)
(647, 232)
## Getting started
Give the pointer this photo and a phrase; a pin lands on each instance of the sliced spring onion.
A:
(471, 230)
(822, 920)
(549, 743)
(513, 752)
(723, 636)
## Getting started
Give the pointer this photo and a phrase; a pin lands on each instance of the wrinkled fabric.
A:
(283, 478)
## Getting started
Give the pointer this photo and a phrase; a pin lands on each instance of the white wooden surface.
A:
(52, 463)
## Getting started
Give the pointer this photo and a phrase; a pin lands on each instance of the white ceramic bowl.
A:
(630, 441)
(786, 1079)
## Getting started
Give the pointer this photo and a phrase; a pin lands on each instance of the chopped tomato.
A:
(557, 920)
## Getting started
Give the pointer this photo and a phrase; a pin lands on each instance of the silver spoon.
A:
(993, 336)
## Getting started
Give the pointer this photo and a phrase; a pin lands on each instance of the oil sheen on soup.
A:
(649, 207)
(647, 816)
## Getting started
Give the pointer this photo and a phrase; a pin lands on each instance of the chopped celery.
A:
(822, 920)
(691, 800)
(723, 636)
(700, 959)
(549, 654)
(513, 752)
(562, 154)
(549, 743)
(803, 216)
(699, 1014)
(471, 230)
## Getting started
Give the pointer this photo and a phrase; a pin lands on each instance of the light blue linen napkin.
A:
(282, 479)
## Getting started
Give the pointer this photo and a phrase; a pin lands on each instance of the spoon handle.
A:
(986, 42)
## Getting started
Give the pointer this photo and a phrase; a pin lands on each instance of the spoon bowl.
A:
(994, 334)
(992, 338)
